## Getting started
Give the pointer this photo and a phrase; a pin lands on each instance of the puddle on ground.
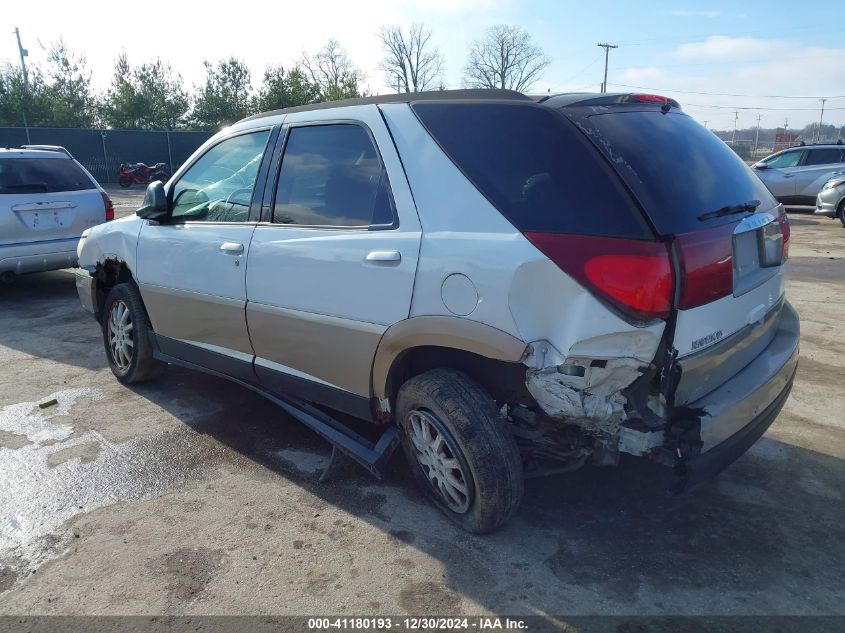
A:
(305, 462)
(53, 466)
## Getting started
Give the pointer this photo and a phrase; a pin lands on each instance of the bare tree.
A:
(505, 58)
(332, 72)
(410, 63)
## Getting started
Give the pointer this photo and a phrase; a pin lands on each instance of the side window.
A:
(218, 187)
(787, 159)
(823, 156)
(534, 166)
(331, 175)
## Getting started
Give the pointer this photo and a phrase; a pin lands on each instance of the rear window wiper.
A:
(742, 207)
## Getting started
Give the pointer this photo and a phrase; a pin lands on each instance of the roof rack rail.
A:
(470, 94)
(48, 148)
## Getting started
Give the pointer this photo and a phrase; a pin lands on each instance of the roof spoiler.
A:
(600, 99)
(48, 148)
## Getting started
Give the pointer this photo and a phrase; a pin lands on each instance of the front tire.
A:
(124, 181)
(841, 212)
(460, 449)
(126, 336)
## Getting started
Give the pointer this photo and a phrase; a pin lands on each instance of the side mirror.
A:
(761, 166)
(154, 206)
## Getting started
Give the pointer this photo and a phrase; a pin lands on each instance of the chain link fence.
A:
(102, 151)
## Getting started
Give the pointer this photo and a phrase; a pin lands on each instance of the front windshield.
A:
(787, 159)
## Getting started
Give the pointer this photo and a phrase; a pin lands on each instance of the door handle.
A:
(788, 175)
(232, 248)
(383, 256)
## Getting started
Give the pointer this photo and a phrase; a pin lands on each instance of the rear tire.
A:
(460, 449)
(124, 181)
(126, 336)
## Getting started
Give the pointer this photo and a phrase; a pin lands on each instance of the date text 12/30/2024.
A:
(417, 624)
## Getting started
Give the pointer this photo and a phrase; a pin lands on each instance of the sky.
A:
(715, 58)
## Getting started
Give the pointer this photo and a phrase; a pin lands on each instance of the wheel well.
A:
(110, 273)
(504, 381)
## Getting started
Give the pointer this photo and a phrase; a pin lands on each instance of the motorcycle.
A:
(141, 174)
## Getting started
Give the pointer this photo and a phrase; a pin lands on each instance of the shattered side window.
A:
(218, 187)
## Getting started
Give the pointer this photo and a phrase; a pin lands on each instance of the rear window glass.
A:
(41, 175)
(823, 156)
(676, 167)
(535, 167)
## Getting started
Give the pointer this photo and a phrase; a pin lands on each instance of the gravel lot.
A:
(195, 496)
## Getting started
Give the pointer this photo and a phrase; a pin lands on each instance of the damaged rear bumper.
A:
(709, 464)
(737, 413)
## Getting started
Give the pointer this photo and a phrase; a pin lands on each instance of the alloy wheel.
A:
(439, 459)
(121, 344)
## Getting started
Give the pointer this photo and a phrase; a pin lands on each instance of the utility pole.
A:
(757, 135)
(736, 118)
(23, 53)
(821, 116)
(606, 48)
(705, 126)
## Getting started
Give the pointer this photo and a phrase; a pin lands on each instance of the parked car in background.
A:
(510, 287)
(47, 199)
(831, 199)
(796, 175)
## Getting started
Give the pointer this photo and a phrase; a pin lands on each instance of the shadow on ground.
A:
(767, 526)
(757, 528)
(42, 317)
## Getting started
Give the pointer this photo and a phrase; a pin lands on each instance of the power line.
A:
(606, 48)
(821, 116)
(588, 66)
(731, 107)
(664, 40)
(23, 53)
(729, 94)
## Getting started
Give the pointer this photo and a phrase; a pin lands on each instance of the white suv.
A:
(47, 200)
(509, 287)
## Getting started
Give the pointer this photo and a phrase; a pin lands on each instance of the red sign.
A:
(786, 138)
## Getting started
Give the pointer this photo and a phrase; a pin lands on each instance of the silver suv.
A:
(47, 199)
(796, 175)
(508, 287)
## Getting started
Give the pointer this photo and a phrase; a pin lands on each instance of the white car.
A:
(796, 175)
(509, 287)
(47, 199)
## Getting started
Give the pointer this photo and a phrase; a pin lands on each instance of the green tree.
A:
(73, 102)
(162, 93)
(122, 107)
(334, 74)
(149, 97)
(226, 95)
(17, 97)
(285, 89)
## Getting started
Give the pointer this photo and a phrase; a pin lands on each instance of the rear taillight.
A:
(109, 206)
(706, 259)
(635, 276)
(785, 231)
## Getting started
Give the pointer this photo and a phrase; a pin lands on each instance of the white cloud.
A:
(695, 14)
(702, 83)
(643, 76)
(724, 47)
